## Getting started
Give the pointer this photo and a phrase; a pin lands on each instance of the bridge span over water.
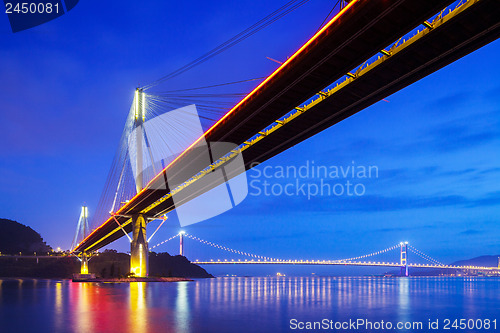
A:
(332, 76)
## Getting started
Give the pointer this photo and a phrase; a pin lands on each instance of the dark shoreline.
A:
(109, 264)
(116, 280)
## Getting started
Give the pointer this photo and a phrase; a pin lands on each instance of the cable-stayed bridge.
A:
(366, 52)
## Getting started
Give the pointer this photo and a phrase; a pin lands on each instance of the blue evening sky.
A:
(67, 86)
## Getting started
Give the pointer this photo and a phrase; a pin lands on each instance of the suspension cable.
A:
(327, 16)
(266, 21)
(371, 254)
(215, 85)
(424, 256)
(166, 240)
(222, 247)
(229, 249)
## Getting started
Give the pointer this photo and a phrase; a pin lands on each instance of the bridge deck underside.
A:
(361, 32)
(439, 47)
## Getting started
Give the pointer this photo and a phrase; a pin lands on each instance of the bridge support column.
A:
(404, 259)
(181, 243)
(139, 120)
(139, 259)
(84, 268)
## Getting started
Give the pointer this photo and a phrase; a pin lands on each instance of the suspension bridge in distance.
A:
(331, 77)
(403, 249)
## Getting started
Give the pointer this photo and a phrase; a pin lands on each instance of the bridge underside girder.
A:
(426, 53)
(344, 45)
(432, 50)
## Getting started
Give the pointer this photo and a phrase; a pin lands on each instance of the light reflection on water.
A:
(237, 304)
(138, 307)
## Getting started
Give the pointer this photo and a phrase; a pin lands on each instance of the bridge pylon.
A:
(404, 258)
(84, 264)
(139, 252)
(139, 117)
(82, 229)
(181, 243)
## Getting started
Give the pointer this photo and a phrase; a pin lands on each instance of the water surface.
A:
(241, 304)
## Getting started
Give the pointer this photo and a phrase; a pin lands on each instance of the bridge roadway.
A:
(290, 262)
(359, 31)
(339, 263)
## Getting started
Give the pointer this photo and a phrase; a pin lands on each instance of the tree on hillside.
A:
(16, 237)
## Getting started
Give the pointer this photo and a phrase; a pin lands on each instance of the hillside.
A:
(109, 264)
(16, 237)
(485, 261)
(112, 264)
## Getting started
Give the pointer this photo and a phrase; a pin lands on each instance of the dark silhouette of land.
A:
(483, 261)
(16, 238)
(113, 264)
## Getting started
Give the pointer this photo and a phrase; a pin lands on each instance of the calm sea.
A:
(252, 304)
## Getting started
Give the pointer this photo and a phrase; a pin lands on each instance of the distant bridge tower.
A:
(82, 229)
(181, 243)
(139, 261)
(404, 258)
